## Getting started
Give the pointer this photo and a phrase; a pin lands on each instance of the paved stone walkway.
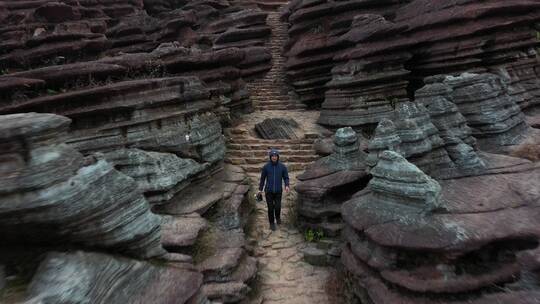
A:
(283, 275)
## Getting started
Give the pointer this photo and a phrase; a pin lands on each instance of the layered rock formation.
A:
(219, 43)
(55, 198)
(365, 57)
(277, 128)
(494, 116)
(410, 239)
(416, 138)
(140, 282)
(52, 195)
(226, 262)
(330, 181)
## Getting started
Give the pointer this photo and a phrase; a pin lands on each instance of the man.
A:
(272, 173)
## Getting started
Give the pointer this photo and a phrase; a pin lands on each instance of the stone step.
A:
(266, 147)
(290, 167)
(264, 153)
(268, 107)
(264, 159)
(270, 142)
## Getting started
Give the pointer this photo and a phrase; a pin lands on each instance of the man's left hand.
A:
(287, 189)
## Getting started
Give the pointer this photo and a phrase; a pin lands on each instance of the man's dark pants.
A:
(273, 201)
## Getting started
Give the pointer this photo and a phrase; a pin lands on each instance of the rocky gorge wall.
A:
(358, 59)
(130, 164)
(446, 94)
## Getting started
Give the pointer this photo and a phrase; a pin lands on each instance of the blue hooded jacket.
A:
(273, 173)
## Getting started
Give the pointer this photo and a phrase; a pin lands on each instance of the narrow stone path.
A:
(283, 276)
(272, 91)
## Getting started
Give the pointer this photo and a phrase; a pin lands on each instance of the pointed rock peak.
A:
(345, 136)
(384, 128)
(395, 180)
(407, 110)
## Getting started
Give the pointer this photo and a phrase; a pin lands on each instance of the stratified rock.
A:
(436, 96)
(385, 138)
(277, 128)
(494, 117)
(396, 181)
(419, 141)
(330, 181)
(231, 292)
(225, 191)
(361, 58)
(159, 175)
(82, 277)
(314, 41)
(75, 45)
(181, 231)
(410, 239)
(49, 196)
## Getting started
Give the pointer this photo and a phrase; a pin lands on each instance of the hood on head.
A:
(273, 152)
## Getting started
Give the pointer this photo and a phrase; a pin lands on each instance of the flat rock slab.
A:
(196, 198)
(220, 266)
(230, 292)
(181, 231)
(315, 256)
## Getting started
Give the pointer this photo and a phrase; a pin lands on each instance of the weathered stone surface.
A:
(394, 177)
(277, 128)
(82, 277)
(46, 183)
(494, 117)
(219, 267)
(177, 232)
(442, 154)
(438, 240)
(315, 256)
(362, 58)
(329, 182)
(231, 292)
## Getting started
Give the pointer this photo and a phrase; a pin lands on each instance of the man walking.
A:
(272, 174)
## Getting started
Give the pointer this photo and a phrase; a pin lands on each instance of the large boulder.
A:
(330, 181)
(83, 277)
(439, 240)
(52, 195)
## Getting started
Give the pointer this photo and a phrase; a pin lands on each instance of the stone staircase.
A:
(252, 153)
(271, 92)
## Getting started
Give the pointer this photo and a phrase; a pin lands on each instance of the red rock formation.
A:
(367, 56)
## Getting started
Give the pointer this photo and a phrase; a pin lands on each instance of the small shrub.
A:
(312, 235)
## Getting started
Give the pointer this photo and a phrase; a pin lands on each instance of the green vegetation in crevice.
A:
(312, 235)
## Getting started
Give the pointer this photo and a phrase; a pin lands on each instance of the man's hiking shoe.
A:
(273, 227)
(278, 221)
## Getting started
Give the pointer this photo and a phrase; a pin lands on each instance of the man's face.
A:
(274, 158)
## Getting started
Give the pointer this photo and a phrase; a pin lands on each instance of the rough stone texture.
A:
(361, 58)
(414, 135)
(329, 182)
(436, 96)
(159, 175)
(162, 132)
(277, 128)
(494, 116)
(51, 195)
(54, 52)
(439, 241)
(82, 277)
(177, 232)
